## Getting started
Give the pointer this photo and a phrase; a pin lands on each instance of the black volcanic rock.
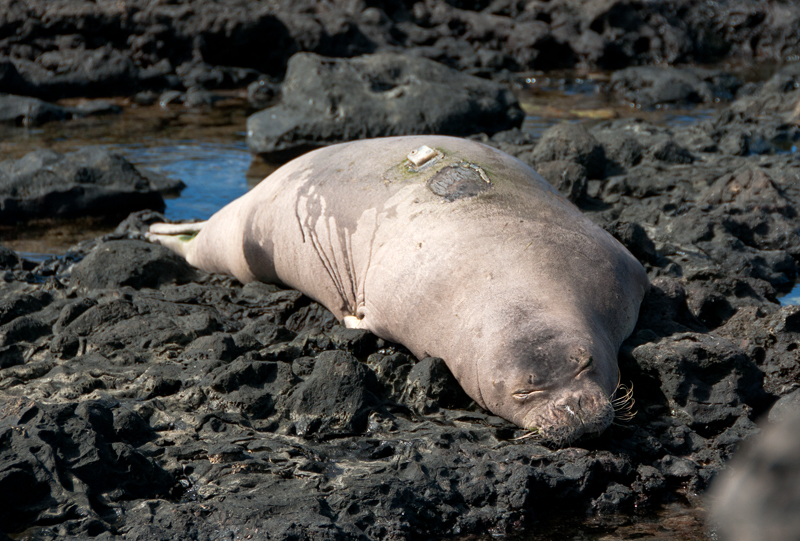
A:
(89, 182)
(44, 444)
(130, 263)
(648, 86)
(571, 142)
(25, 111)
(332, 100)
(60, 48)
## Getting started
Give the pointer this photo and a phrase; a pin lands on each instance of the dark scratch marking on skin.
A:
(351, 268)
(313, 238)
(348, 292)
(299, 222)
(369, 261)
(340, 286)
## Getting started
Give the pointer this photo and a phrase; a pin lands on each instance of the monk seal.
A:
(453, 249)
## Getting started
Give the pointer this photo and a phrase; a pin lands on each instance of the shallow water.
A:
(672, 522)
(793, 297)
(204, 149)
(215, 173)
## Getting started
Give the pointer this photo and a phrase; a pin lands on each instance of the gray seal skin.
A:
(453, 249)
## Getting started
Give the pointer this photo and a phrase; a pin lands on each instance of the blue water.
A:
(214, 173)
(537, 125)
(686, 119)
(793, 297)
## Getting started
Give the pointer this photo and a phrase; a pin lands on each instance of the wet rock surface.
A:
(143, 399)
(26, 111)
(30, 112)
(648, 86)
(89, 182)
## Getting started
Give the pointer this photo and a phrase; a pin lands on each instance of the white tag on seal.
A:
(421, 155)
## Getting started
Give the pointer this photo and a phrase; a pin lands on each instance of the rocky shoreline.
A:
(84, 48)
(142, 399)
(154, 51)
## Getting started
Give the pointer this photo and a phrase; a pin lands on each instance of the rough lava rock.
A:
(771, 337)
(130, 263)
(143, 400)
(25, 111)
(336, 397)
(648, 86)
(89, 182)
(332, 100)
(71, 460)
(32, 112)
(567, 177)
(573, 143)
(58, 48)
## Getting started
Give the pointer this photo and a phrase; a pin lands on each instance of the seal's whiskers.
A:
(532, 434)
(623, 404)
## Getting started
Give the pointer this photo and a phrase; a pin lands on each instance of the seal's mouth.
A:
(572, 416)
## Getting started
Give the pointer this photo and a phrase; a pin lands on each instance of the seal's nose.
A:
(575, 412)
(571, 404)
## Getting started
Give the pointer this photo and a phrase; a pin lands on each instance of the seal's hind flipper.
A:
(176, 237)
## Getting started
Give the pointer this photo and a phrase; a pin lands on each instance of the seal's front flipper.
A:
(176, 237)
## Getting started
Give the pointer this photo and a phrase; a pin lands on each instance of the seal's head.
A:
(558, 384)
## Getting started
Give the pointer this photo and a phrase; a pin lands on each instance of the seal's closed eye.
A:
(522, 396)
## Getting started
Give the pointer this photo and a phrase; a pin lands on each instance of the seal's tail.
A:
(176, 237)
